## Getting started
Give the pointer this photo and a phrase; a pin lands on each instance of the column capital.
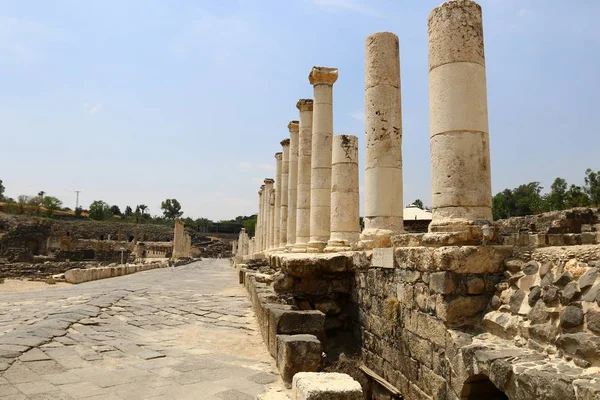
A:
(305, 104)
(285, 142)
(294, 126)
(323, 76)
(278, 156)
(269, 181)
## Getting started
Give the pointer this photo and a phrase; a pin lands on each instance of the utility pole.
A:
(77, 199)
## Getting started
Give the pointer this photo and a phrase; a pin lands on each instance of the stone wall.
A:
(554, 222)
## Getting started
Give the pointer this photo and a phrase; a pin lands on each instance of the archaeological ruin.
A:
(471, 309)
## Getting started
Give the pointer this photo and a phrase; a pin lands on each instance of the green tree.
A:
(99, 210)
(128, 211)
(51, 204)
(418, 203)
(558, 194)
(171, 209)
(250, 225)
(576, 197)
(41, 195)
(503, 204)
(592, 186)
(2, 188)
(115, 210)
(78, 211)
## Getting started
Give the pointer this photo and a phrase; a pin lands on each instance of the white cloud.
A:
(92, 109)
(358, 115)
(347, 5)
(25, 40)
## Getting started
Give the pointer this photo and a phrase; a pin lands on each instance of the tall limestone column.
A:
(259, 220)
(283, 213)
(272, 220)
(292, 185)
(458, 120)
(305, 106)
(268, 213)
(277, 211)
(345, 219)
(384, 204)
(322, 79)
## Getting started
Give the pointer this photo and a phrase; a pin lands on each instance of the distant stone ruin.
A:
(471, 309)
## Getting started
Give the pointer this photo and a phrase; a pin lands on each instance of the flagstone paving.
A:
(175, 333)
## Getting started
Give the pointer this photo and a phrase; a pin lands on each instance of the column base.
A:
(337, 246)
(315, 247)
(377, 238)
(299, 248)
(456, 232)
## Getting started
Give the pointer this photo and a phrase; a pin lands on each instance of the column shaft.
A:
(384, 203)
(277, 211)
(268, 213)
(285, 171)
(345, 224)
(322, 79)
(459, 133)
(305, 106)
(292, 185)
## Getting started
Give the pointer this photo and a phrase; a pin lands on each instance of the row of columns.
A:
(314, 204)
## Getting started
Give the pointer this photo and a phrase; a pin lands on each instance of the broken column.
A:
(178, 239)
(383, 139)
(277, 211)
(285, 170)
(267, 220)
(292, 185)
(345, 223)
(458, 120)
(304, 160)
(322, 79)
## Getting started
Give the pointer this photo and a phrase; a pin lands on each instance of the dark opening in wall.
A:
(480, 387)
(101, 237)
(89, 255)
(131, 238)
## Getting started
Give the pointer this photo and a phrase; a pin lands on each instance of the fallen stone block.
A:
(325, 386)
(292, 322)
(297, 353)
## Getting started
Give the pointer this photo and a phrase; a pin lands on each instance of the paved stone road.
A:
(175, 333)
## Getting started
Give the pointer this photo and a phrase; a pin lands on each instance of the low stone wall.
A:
(92, 274)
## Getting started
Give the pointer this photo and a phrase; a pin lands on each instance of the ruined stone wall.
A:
(554, 222)
(405, 312)
(550, 301)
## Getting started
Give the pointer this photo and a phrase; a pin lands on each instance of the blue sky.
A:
(135, 101)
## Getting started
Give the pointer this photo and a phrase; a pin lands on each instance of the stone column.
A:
(283, 213)
(277, 211)
(304, 159)
(272, 219)
(268, 213)
(178, 239)
(259, 218)
(345, 223)
(384, 204)
(322, 79)
(292, 185)
(458, 121)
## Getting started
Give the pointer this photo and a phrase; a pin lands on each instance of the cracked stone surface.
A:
(174, 333)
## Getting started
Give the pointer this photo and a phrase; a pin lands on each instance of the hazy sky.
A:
(137, 101)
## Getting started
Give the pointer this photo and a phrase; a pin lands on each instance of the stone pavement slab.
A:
(176, 333)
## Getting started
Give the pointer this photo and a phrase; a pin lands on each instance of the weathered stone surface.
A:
(534, 295)
(570, 293)
(516, 300)
(588, 278)
(442, 282)
(513, 264)
(571, 317)
(550, 293)
(545, 267)
(592, 294)
(584, 345)
(531, 268)
(592, 320)
(325, 386)
(562, 279)
(297, 353)
(538, 313)
(303, 266)
(475, 285)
